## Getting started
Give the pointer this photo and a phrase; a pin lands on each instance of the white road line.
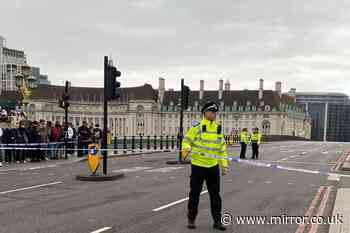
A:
(31, 187)
(284, 159)
(293, 156)
(164, 169)
(334, 177)
(132, 169)
(102, 230)
(175, 203)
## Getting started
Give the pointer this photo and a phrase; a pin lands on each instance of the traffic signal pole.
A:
(181, 120)
(105, 116)
(66, 122)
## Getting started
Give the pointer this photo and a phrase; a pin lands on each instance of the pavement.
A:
(46, 198)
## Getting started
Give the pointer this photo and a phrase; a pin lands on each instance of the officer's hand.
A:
(224, 171)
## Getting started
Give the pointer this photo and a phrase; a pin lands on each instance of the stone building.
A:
(148, 111)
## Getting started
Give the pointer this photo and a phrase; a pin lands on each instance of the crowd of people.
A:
(35, 141)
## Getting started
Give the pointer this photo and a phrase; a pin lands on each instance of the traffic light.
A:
(185, 96)
(112, 82)
(64, 101)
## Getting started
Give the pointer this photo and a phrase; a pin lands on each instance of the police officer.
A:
(207, 144)
(244, 139)
(256, 140)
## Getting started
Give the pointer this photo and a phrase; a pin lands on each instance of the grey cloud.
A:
(239, 40)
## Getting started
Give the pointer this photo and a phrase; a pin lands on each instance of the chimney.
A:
(278, 88)
(161, 89)
(293, 93)
(221, 88)
(227, 86)
(261, 89)
(201, 89)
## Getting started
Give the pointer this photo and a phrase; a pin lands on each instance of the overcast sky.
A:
(304, 44)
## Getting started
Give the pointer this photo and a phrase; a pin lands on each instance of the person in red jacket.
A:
(55, 136)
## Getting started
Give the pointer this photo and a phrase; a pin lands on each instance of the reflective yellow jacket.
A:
(208, 145)
(244, 137)
(256, 137)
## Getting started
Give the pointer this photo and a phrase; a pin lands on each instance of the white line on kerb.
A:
(102, 230)
(175, 203)
(31, 187)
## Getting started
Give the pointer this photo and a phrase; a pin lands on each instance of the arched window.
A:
(266, 127)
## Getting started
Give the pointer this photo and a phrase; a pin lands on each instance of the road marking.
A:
(293, 156)
(309, 212)
(290, 183)
(164, 169)
(321, 209)
(325, 152)
(250, 182)
(267, 182)
(31, 187)
(334, 177)
(102, 230)
(175, 203)
(284, 159)
(132, 169)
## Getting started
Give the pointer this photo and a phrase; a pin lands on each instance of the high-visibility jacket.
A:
(207, 143)
(256, 138)
(244, 137)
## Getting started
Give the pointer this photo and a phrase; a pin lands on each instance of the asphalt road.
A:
(46, 198)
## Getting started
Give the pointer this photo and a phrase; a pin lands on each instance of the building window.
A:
(266, 127)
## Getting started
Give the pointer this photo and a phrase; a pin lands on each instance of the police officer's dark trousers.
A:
(212, 178)
(243, 150)
(255, 148)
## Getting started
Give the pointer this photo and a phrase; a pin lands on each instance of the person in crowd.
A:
(55, 137)
(97, 134)
(21, 138)
(35, 138)
(84, 138)
(43, 131)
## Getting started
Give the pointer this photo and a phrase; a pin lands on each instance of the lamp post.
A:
(25, 82)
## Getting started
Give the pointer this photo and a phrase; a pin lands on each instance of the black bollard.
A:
(125, 146)
(115, 145)
(161, 142)
(133, 143)
(148, 142)
(172, 142)
(167, 142)
(155, 143)
(141, 143)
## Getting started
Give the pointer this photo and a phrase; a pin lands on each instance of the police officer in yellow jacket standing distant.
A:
(208, 150)
(256, 140)
(244, 140)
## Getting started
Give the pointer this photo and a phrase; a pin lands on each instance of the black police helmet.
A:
(210, 106)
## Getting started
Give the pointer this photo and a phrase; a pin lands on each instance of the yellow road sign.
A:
(94, 157)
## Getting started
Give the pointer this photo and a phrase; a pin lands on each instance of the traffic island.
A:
(98, 177)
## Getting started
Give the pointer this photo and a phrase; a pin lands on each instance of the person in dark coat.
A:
(9, 137)
(84, 138)
(34, 137)
(21, 137)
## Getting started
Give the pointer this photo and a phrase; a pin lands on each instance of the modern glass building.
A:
(329, 113)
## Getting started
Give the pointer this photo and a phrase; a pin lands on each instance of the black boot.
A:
(219, 226)
(191, 224)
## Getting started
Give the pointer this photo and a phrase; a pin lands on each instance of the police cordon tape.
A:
(233, 159)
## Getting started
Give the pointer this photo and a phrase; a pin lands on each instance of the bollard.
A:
(125, 147)
(172, 142)
(155, 143)
(115, 145)
(141, 146)
(148, 142)
(167, 142)
(161, 142)
(133, 143)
